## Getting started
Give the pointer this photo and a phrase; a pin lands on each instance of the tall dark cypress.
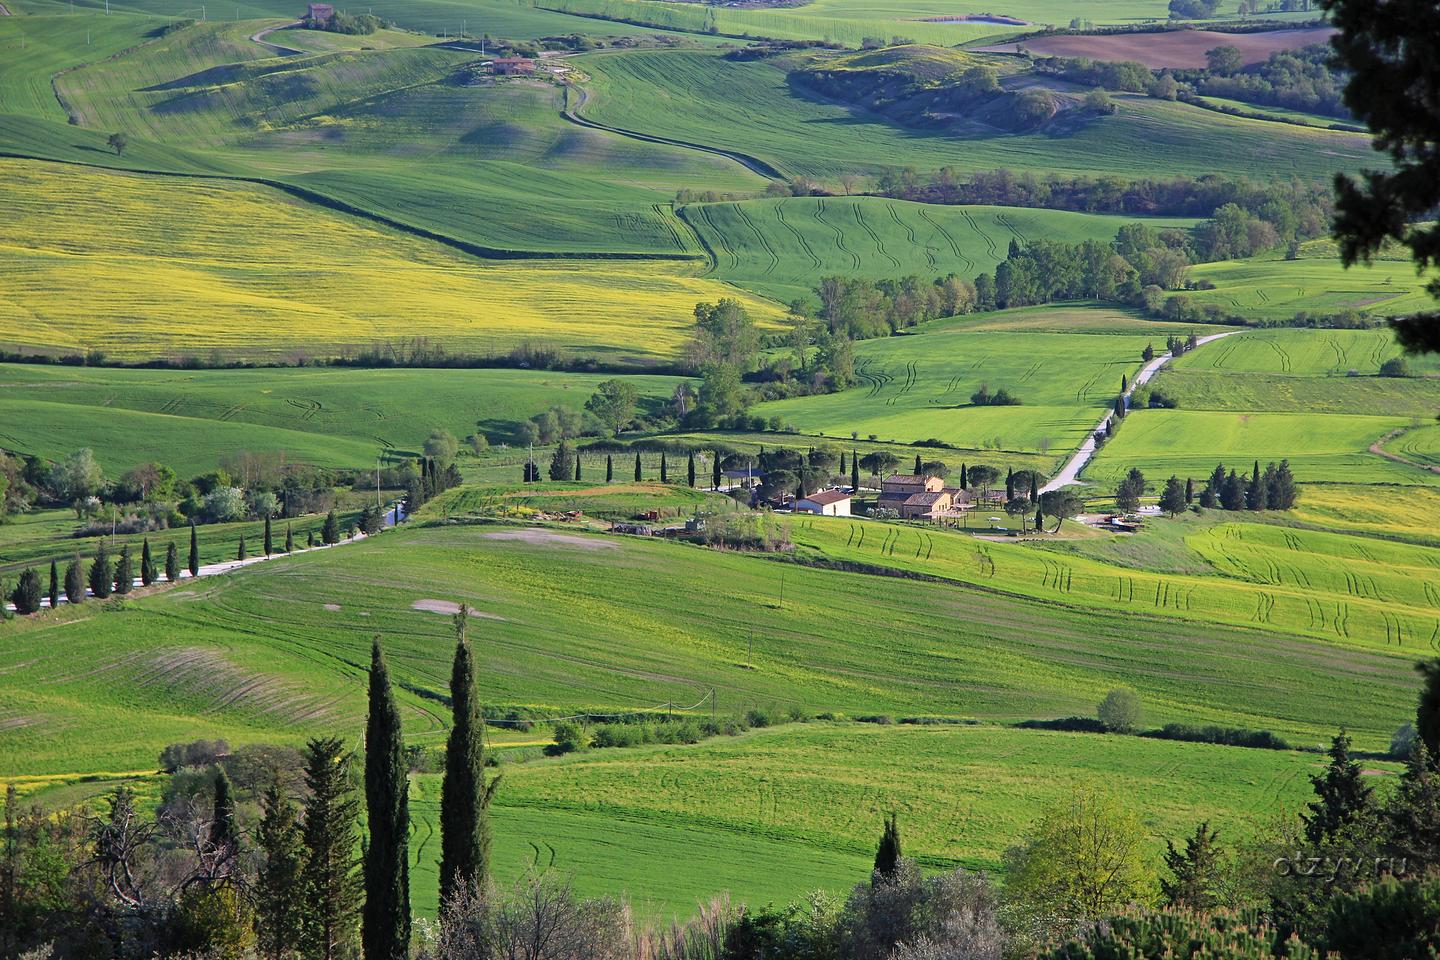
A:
(1035, 486)
(854, 472)
(637, 465)
(74, 582)
(843, 468)
(1009, 484)
(279, 893)
(224, 835)
(690, 470)
(888, 853)
(331, 890)
(147, 563)
(577, 464)
(124, 575)
(964, 477)
(269, 543)
(716, 474)
(609, 468)
(240, 550)
(54, 584)
(464, 795)
(194, 551)
(172, 562)
(664, 469)
(385, 923)
(289, 539)
(918, 467)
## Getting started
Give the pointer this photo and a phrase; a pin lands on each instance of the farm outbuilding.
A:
(826, 503)
(318, 13)
(512, 66)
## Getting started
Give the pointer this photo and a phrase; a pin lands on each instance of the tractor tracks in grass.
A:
(1378, 448)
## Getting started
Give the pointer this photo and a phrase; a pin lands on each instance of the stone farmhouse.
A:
(914, 497)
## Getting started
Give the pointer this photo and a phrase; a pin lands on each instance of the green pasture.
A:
(1411, 513)
(751, 107)
(918, 386)
(781, 247)
(1282, 393)
(334, 416)
(1278, 289)
(1303, 352)
(1325, 449)
(567, 620)
(34, 49)
(1420, 444)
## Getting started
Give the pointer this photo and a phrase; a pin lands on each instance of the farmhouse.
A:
(897, 488)
(826, 503)
(512, 66)
(914, 497)
(318, 13)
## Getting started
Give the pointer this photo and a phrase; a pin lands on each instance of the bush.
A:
(1403, 742)
(27, 593)
(197, 753)
(569, 737)
(1225, 736)
(1119, 712)
(1395, 367)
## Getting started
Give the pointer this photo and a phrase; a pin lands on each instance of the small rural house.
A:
(914, 497)
(512, 66)
(318, 13)
(826, 503)
(899, 487)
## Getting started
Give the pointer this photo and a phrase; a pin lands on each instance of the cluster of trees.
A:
(199, 878)
(1272, 489)
(362, 24)
(1177, 197)
(1306, 79)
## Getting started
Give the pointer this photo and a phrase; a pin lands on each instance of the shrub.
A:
(1119, 712)
(1226, 736)
(1403, 742)
(197, 753)
(1395, 367)
(569, 737)
(27, 593)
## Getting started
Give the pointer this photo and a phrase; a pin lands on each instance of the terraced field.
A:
(1322, 449)
(338, 417)
(173, 273)
(1299, 582)
(750, 107)
(780, 248)
(265, 654)
(1278, 289)
(918, 387)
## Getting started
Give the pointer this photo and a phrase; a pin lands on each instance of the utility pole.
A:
(377, 482)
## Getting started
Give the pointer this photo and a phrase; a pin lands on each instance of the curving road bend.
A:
(1069, 475)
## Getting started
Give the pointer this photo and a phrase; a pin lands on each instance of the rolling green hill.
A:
(750, 107)
(780, 248)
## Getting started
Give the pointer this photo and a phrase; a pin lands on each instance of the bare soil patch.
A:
(550, 538)
(450, 608)
(1172, 48)
(332, 607)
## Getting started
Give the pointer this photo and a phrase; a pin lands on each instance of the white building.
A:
(827, 503)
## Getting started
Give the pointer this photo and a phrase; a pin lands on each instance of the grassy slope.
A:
(259, 656)
(1278, 289)
(321, 281)
(748, 106)
(780, 247)
(336, 416)
(917, 387)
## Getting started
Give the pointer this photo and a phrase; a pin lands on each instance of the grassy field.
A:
(33, 49)
(1278, 289)
(1303, 353)
(750, 107)
(1301, 582)
(918, 387)
(780, 248)
(1420, 444)
(1410, 513)
(335, 416)
(1326, 449)
(277, 651)
(321, 282)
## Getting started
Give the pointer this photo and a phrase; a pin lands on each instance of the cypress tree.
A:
(54, 584)
(240, 550)
(1341, 794)
(1035, 486)
(194, 552)
(854, 473)
(224, 835)
(577, 464)
(1284, 493)
(716, 474)
(842, 462)
(1412, 815)
(331, 889)
(464, 795)
(609, 468)
(1189, 490)
(74, 582)
(1120, 407)
(1009, 484)
(887, 854)
(1427, 710)
(289, 539)
(1195, 874)
(637, 466)
(964, 478)
(101, 582)
(124, 575)
(147, 564)
(310, 538)
(919, 469)
(690, 470)
(1124, 383)
(279, 891)
(269, 544)
(1255, 494)
(1039, 520)
(172, 562)
(385, 925)
(27, 595)
(330, 532)
(664, 469)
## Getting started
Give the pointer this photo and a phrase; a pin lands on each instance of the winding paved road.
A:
(1069, 475)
